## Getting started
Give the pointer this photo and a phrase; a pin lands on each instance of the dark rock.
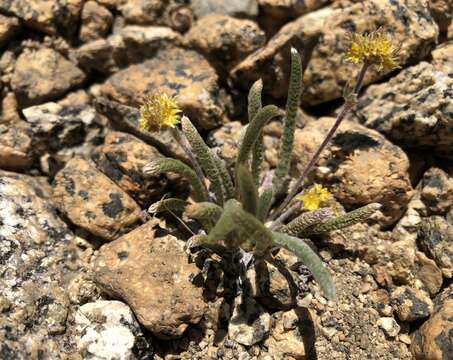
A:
(410, 304)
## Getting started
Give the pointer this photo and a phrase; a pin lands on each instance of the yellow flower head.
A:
(374, 48)
(159, 111)
(314, 197)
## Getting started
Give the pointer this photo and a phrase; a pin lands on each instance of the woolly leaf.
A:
(248, 193)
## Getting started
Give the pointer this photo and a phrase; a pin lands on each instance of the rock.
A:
(275, 13)
(441, 58)
(106, 330)
(9, 112)
(229, 40)
(42, 75)
(272, 286)
(177, 72)
(237, 8)
(96, 21)
(345, 166)
(389, 325)
(249, 323)
(8, 27)
(67, 124)
(418, 101)
(437, 191)
(122, 158)
(392, 261)
(410, 304)
(436, 240)
(433, 339)
(51, 17)
(143, 12)
(326, 74)
(132, 44)
(292, 336)
(15, 146)
(428, 273)
(37, 257)
(153, 276)
(442, 12)
(91, 200)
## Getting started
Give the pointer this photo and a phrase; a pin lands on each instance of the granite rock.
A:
(122, 158)
(132, 44)
(437, 191)
(275, 13)
(442, 12)
(38, 256)
(51, 16)
(441, 58)
(9, 26)
(360, 166)
(410, 304)
(325, 31)
(96, 21)
(153, 276)
(15, 146)
(428, 273)
(389, 325)
(418, 101)
(43, 74)
(433, 339)
(90, 200)
(176, 72)
(249, 323)
(237, 8)
(292, 335)
(228, 41)
(106, 330)
(436, 240)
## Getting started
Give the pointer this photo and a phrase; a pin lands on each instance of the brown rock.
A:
(122, 158)
(50, 16)
(292, 336)
(9, 111)
(177, 72)
(42, 75)
(410, 304)
(132, 44)
(442, 59)
(418, 101)
(360, 167)
(8, 27)
(275, 13)
(428, 273)
(410, 24)
(15, 146)
(442, 12)
(94, 202)
(153, 276)
(436, 240)
(143, 12)
(96, 21)
(433, 340)
(437, 191)
(228, 40)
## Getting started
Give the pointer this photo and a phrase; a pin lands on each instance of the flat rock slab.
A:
(176, 72)
(94, 202)
(153, 276)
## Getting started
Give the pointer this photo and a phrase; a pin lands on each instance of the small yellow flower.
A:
(374, 48)
(159, 111)
(314, 197)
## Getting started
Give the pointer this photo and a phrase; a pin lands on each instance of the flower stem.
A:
(349, 104)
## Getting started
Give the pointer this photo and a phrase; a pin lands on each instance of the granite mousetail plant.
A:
(244, 210)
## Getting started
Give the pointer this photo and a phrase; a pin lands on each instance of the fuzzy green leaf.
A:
(264, 204)
(292, 105)
(305, 220)
(342, 221)
(163, 165)
(204, 156)
(226, 178)
(309, 258)
(248, 193)
(254, 105)
(169, 204)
